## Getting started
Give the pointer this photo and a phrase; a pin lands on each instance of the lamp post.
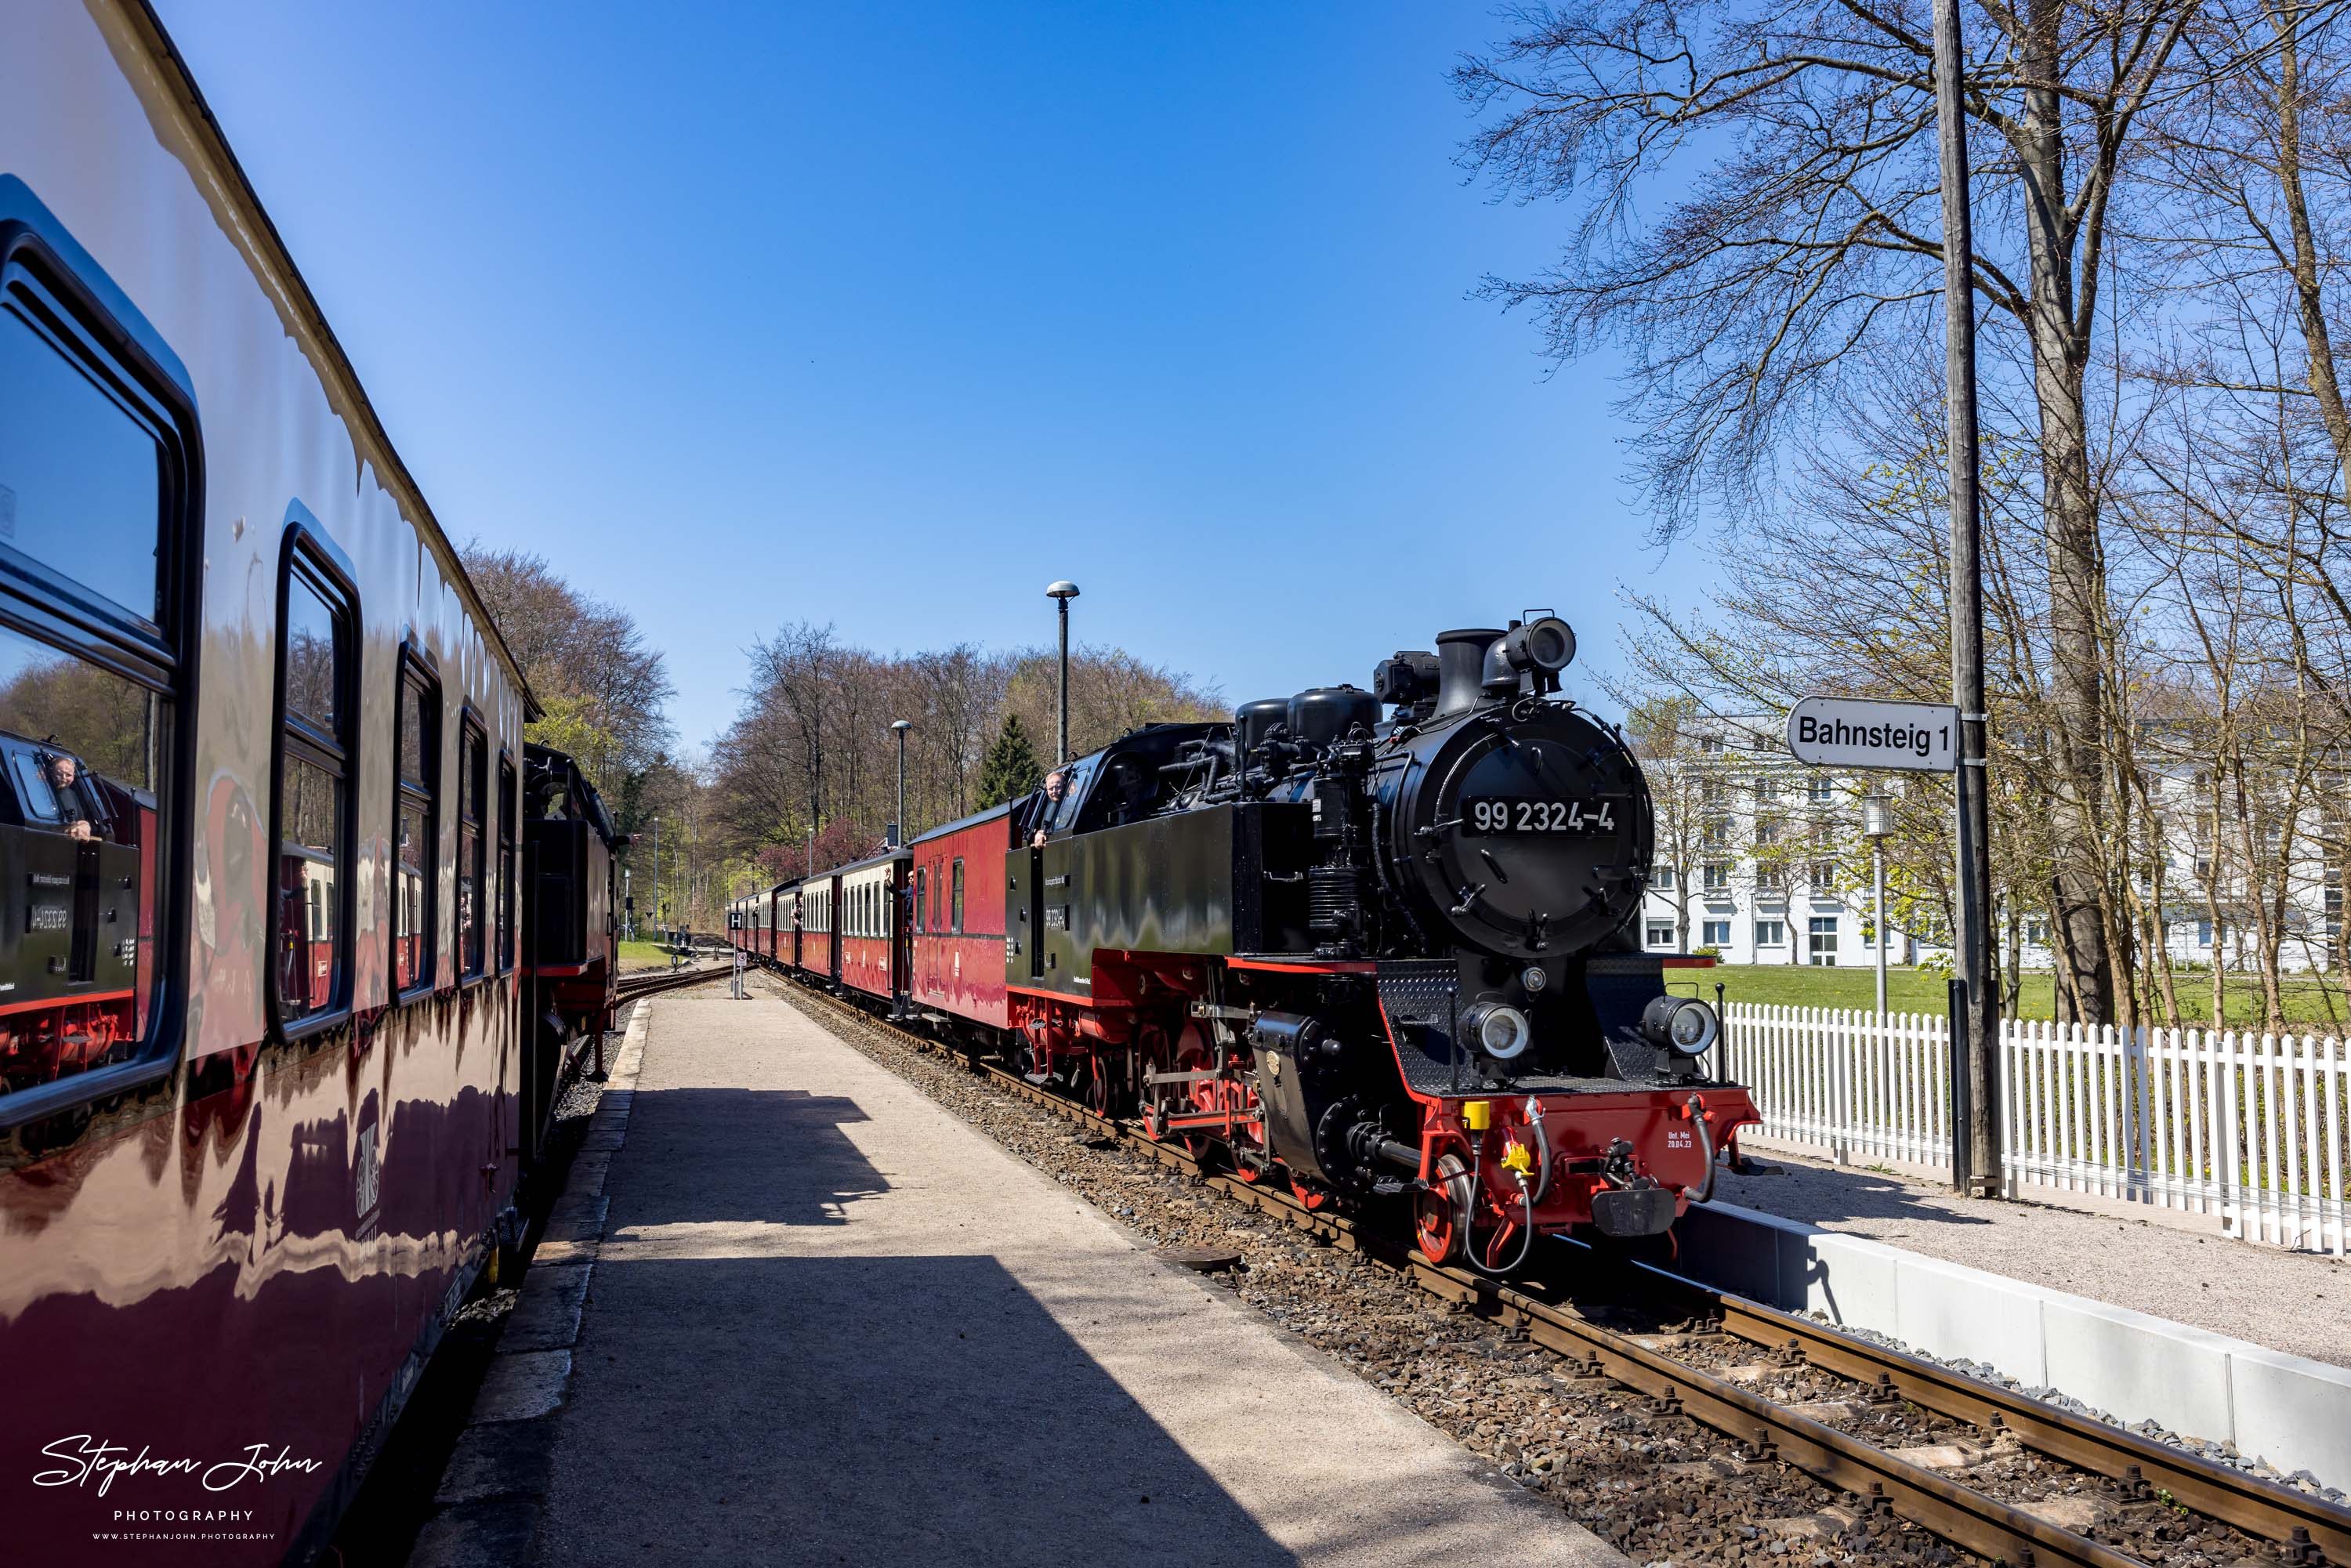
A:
(657, 902)
(811, 852)
(898, 828)
(1877, 822)
(1061, 594)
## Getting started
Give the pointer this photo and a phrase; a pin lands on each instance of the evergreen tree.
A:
(1010, 768)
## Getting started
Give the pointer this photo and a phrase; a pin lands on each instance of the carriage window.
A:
(955, 897)
(920, 924)
(473, 754)
(91, 493)
(81, 477)
(415, 835)
(85, 751)
(506, 866)
(313, 786)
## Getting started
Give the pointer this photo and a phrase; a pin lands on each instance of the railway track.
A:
(653, 982)
(2130, 1472)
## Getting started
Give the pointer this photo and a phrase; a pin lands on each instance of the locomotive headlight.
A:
(1500, 1031)
(1681, 1024)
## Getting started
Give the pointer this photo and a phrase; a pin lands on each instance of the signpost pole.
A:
(1975, 1030)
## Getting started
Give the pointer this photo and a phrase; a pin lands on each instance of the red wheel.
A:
(1312, 1199)
(1441, 1214)
(1095, 1086)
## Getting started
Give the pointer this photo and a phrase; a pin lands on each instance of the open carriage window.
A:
(97, 485)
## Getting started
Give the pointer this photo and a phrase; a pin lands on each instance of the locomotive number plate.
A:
(1498, 815)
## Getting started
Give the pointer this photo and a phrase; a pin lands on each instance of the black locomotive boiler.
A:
(1377, 943)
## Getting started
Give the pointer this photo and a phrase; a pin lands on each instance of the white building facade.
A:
(1778, 871)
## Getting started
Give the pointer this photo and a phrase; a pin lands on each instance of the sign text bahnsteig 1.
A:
(1859, 732)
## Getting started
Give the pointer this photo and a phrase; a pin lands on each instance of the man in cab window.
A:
(73, 803)
(1040, 815)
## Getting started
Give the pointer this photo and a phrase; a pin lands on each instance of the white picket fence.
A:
(2247, 1127)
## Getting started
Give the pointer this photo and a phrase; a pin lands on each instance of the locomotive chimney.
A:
(1461, 668)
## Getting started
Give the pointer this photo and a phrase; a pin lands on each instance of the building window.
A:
(1661, 933)
(1771, 878)
(1662, 879)
(1710, 744)
(506, 866)
(1716, 877)
(2036, 931)
(2203, 933)
(1767, 789)
(472, 765)
(416, 838)
(313, 787)
(1825, 940)
(1717, 833)
(1824, 876)
(1718, 934)
(1770, 933)
(1817, 789)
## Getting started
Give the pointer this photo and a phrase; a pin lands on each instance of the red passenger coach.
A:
(958, 926)
(872, 925)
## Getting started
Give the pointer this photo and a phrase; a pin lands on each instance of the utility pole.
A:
(657, 899)
(898, 828)
(1975, 1144)
(1063, 592)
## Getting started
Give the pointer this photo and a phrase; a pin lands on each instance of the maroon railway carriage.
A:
(266, 1074)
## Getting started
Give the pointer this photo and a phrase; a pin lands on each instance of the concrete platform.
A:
(831, 1324)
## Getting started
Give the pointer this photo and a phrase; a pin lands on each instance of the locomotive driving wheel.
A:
(1311, 1198)
(1441, 1214)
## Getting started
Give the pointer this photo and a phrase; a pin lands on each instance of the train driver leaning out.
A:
(73, 810)
(1057, 784)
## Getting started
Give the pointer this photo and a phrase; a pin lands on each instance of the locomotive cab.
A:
(71, 953)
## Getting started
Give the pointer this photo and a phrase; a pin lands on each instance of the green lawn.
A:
(643, 956)
(2315, 1002)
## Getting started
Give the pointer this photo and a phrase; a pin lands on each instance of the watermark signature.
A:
(86, 1459)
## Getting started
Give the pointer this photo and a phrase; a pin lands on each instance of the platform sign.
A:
(1858, 732)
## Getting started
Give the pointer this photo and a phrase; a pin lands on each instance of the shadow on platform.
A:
(1822, 1195)
(786, 1161)
(799, 1410)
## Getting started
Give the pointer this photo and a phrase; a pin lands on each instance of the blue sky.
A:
(748, 314)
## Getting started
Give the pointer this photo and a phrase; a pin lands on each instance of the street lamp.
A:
(898, 828)
(1877, 822)
(1061, 594)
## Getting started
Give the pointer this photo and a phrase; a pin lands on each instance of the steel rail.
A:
(2305, 1526)
(646, 983)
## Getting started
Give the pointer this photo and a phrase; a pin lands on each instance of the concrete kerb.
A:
(2293, 1413)
(492, 1493)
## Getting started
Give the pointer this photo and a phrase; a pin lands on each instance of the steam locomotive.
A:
(1371, 942)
